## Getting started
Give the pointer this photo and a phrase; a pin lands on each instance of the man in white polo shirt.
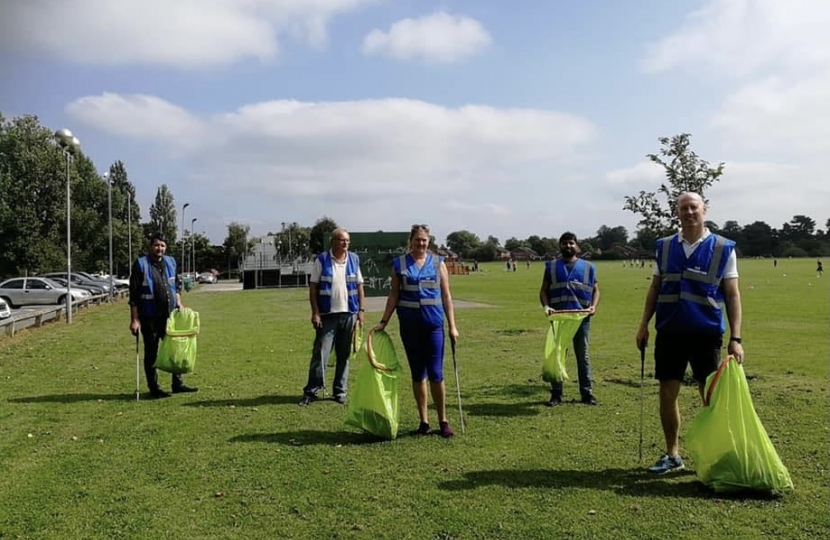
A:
(695, 273)
(336, 296)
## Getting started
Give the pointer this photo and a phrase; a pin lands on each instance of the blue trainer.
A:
(667, 464)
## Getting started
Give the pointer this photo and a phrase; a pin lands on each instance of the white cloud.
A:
(736, 38)
(439, 37)
(772, 59)
(643, 173)
(382, 163)
(141, 117)
(180, 33)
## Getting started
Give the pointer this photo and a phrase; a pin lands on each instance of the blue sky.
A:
(503, 118)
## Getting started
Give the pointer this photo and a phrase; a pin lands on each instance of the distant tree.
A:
(493, 241)
(732, 230)
(608, 237)
(684, 171)
(324, 225)
(512, 243)
(463, 242)
(163, 214)
(758, 239)
(236, 243)
(483, 252)
(799, 228)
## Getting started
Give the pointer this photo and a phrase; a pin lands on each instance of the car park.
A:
(24, 291)
(79, 280)
(94, 290)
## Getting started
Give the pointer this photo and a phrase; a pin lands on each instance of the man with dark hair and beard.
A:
(570, 283)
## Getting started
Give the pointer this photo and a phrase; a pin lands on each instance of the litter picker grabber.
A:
(137, 376)
(457, 385)
(642, 380)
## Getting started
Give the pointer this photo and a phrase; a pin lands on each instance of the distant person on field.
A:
(819, 268)
(775, 263)
(570, 283)
(155, 291)
(695, 273)
(421, 296)
(335, 293)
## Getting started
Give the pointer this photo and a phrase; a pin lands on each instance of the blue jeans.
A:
(583, 362)
(336, 333)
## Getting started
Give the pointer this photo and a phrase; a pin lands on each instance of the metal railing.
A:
(37, 317)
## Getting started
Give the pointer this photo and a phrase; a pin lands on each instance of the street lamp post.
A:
(184, 266)
(70, 146)
(129, 232)
(108, 180)
(193, 245)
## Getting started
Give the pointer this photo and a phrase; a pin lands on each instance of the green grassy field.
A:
(81, 459)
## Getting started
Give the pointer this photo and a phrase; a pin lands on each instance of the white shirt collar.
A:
(704, 236)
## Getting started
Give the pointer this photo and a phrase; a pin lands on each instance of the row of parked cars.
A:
(52, 288)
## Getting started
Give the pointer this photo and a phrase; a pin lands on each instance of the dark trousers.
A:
(152, 332)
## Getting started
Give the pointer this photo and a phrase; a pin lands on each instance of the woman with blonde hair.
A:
(421, 296)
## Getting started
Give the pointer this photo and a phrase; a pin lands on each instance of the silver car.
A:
(36, 290)
(5, 310)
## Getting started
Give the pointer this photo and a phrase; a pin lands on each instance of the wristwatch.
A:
(735, 339)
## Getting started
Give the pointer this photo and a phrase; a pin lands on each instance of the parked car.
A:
(94, 290)
(119, 283)
(5, 310)
(206, 277)
(36, 290)
(79, 280)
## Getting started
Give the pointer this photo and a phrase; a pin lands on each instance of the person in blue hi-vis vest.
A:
(336, 296)
(420, 294)
(155, 291)
(570, 283)
(695, 274)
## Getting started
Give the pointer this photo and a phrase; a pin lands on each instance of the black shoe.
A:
(158, 393)
(554, 401)
(339, 399)
(306, 401)
(589, 400)
(185, 389)
(423, 429)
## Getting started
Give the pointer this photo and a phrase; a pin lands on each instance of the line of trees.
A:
(33, 177)
(685, 171)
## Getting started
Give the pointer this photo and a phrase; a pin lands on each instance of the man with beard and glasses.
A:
(570, 283)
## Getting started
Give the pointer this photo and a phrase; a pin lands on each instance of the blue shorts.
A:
(424, 346)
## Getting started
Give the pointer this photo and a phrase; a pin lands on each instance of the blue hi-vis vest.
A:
(690, 296)
(326, 275)
(570, 290)
(420, 294)
(147, 303)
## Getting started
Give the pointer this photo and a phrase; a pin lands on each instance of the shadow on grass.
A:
(632, 482)
(503, 409)
(76, 398)
(309, 437)
(246, 402)
(534, 389)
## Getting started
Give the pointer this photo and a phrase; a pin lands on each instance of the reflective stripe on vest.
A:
(421, 292)
(326, 276)
(690, 296)
(570, 291)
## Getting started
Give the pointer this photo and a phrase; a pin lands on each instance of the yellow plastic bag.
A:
(727, 442)
(177, 351)
(563, 327)
(373, 406)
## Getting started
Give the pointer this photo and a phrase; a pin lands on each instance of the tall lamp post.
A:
(184, 268)
(70, 146)
(193, 245)
(130, 232)
(108, 180)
